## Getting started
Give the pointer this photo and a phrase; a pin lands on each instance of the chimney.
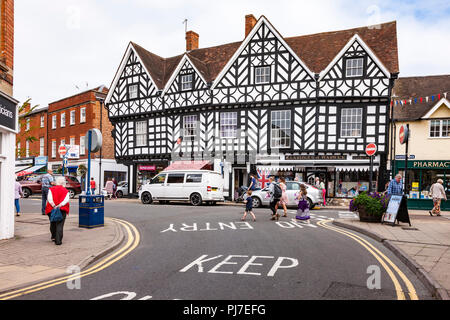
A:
(191, 41)
(250, 22)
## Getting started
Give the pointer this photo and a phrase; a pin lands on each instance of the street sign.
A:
(397, 210)
(62, 151)
(404, 134)
(73, 152)
(96, 140)
(371, 149)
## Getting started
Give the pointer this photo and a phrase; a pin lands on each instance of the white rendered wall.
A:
(7, 179)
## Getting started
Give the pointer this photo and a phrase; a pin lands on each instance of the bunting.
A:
(416, 100)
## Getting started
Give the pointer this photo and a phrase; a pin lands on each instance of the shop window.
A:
(175, 178)
(352, 183)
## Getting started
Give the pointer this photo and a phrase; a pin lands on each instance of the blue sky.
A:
(65, 44)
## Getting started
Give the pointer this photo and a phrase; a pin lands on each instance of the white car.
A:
(260, 197)
(195, 186)
(122, 189)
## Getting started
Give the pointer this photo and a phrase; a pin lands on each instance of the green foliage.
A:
(82, 170)
(374, 204)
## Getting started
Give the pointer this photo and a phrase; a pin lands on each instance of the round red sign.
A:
(62, 151)
(403, 134)
(371, 149)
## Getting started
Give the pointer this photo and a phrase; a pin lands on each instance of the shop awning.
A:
(188, 165)
(29, 171)
(18, 169)
(275, 168)
(355, 168)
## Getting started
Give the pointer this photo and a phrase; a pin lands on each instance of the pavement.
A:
(31, 257)
(424, 247)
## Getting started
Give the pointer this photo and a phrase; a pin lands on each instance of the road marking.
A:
(347, 215)
(132, 243)
(379, 255)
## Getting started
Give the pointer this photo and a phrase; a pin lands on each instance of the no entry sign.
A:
(403, 134)
(371, 149)
(62, 151)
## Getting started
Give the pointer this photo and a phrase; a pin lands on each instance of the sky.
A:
(68, 46)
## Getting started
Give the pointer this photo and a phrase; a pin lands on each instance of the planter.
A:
(365, 217)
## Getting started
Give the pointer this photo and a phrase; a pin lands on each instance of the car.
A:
(122, 189)
(260, 197)
(195, 186)
(33, 185)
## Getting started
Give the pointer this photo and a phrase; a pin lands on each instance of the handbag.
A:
(56, 215)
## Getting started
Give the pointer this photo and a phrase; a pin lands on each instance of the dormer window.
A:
(133, 91)
(262, 75)
(354, 67)
(186, 82)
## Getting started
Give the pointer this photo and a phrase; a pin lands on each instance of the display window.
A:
(352, 183)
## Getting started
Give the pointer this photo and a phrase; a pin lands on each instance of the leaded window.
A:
(133, 91)
(355, 67)
(281, 129)
(262, 75)
(141, 134)
(186, 82)
(351, 123)
(228, 125)
(190, 125)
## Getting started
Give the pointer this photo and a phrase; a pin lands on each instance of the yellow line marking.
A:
(131, 244)
(409, 285)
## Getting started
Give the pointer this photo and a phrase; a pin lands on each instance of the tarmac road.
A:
(208, 253)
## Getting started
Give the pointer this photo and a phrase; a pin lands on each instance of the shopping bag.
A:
(56, 215)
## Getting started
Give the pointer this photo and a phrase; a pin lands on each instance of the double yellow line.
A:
(132, 242)
(382, 259)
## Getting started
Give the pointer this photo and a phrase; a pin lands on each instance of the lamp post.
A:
(100, 96)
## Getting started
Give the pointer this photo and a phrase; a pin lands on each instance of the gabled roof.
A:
(416, 87)
(316, 51)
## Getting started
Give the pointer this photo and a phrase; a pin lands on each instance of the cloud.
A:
(61, 44)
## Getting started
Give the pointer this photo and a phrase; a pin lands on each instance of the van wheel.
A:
(26, 192)
(146, 198)
(196, 199)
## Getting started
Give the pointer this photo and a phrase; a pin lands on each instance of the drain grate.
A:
(410, 228)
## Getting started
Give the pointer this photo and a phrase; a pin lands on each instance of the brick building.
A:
(69, 120)
(8, 119)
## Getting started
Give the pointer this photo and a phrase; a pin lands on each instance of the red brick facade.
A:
(192, 41)
(36, 131)
(6, 45)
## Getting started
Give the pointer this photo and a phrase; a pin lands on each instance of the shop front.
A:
(147, 171)
(421, 175)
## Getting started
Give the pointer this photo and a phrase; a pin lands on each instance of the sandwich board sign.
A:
(397, 210)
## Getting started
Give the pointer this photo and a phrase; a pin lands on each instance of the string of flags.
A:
(402, 102)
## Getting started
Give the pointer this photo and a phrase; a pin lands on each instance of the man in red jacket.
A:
(58, 197)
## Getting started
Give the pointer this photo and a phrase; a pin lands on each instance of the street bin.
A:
(91, 212)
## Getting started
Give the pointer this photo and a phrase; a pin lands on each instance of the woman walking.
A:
(58, 198)
(303, 205)
(437, 192)
(284, 198)
(18, 194)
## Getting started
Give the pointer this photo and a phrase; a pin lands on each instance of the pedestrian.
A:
(47, 182)
(248, 200)
(284, 198)
(253, 182)
(93, 186)
(109, 188)
(395, 186)
(18, 194)
(437, 192)
(275, 194)
(303, 205)
(114, 188)
(324, 192)
(58, 198)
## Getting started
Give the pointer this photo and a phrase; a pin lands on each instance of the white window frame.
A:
(441, 125)
(264, 75)
(83, 115)
(133, 91)
(72, 117)
(42, 121)
(27, 150)
(53, 149)
(41, 146)
(141, 134)
(73, 141)
(352, 69)
(275, 134)
(354, 113)
(54, 122)
(228, 124)
(19, 149)
(63, 142)
(82, 145)
(63, 120)
(190, 126)
(187, 82)
(28, 123)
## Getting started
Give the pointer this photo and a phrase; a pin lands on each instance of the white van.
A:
(195, 186)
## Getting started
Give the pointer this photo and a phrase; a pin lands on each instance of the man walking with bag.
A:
(275, 193)
(437, 192)
(58, 198)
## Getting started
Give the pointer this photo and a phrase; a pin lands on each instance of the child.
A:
(248, 205)
(303, 205)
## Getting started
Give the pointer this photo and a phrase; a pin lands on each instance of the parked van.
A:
(195, 186)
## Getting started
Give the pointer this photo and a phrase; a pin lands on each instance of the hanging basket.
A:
(365, 217)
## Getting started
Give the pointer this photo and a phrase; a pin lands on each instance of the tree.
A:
(24, 113)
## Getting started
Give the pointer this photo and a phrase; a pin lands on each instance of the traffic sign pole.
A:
(371, 150)
(88, 193)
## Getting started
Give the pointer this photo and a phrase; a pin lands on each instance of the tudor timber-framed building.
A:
(301, 106)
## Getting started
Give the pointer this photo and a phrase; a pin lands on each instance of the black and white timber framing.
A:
(315, 102)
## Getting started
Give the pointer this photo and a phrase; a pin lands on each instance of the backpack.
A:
(277, 192)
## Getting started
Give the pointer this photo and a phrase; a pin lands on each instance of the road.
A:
(208, 253)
